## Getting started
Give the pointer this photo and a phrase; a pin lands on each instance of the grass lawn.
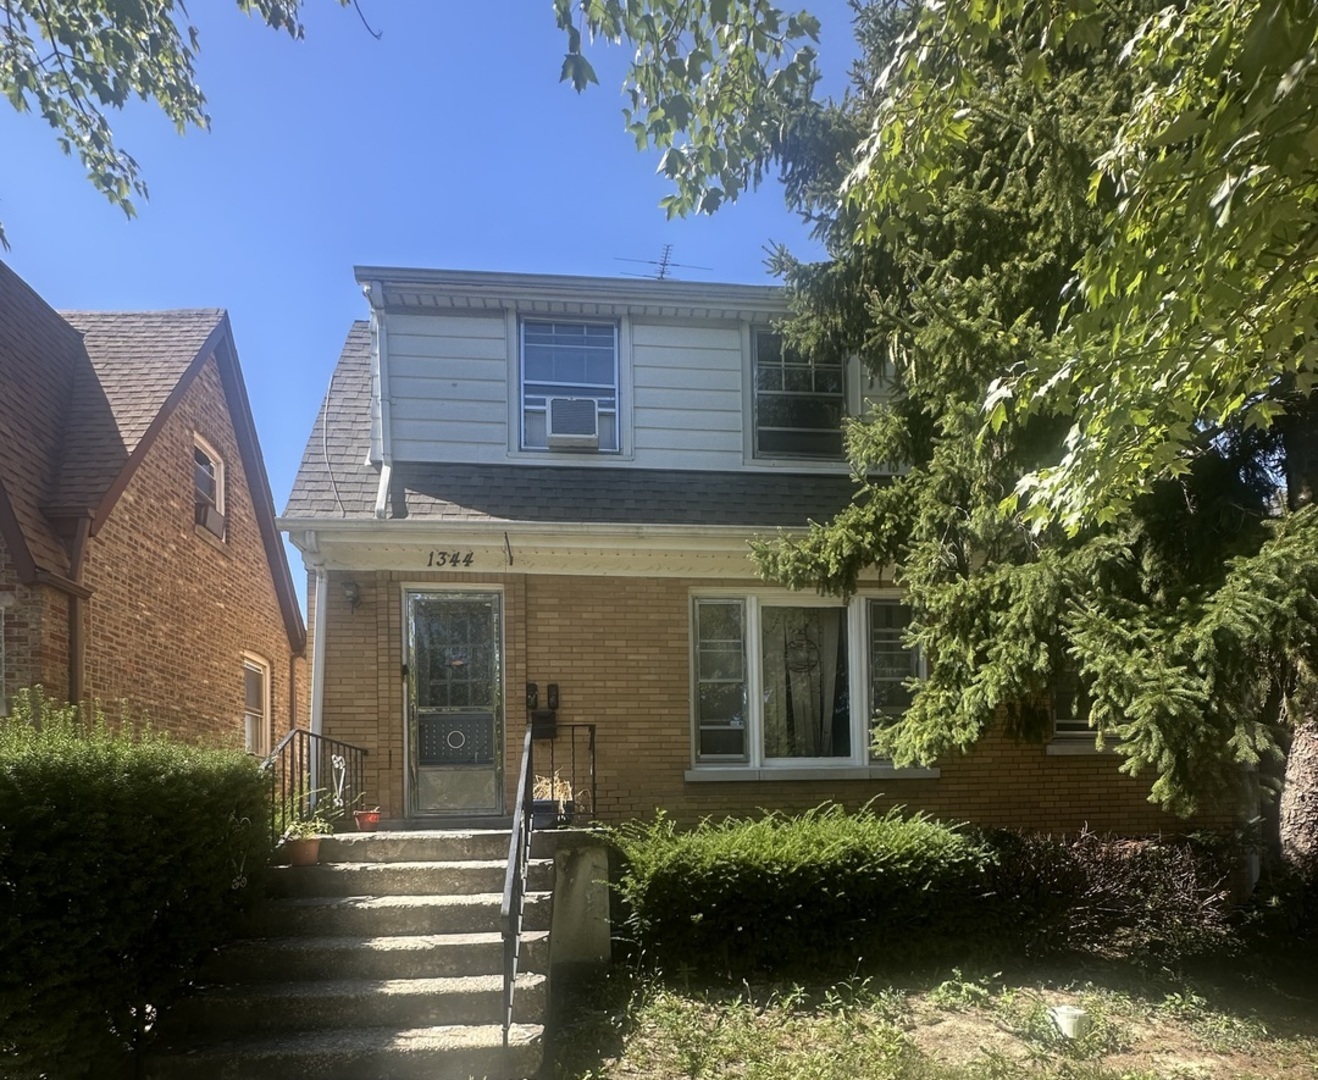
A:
(943, 1025)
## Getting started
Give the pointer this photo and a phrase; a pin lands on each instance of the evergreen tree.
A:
(1184, 604)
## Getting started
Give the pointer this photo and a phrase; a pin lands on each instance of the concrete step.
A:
(415, 846)
(426, 1053)
(403, 878)
(393, 957)
(379, 916)
(347, 1003)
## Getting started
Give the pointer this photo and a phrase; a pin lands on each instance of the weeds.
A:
(963, 1027)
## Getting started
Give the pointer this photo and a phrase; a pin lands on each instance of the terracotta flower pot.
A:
(304, 852)
(367, 820)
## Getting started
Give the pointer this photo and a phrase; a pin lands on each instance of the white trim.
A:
(4, 699)
(750, 449)
(1077, 746)
(319, 623)
(263, 743)
(857, 764)
(620, 407)
(725, 774)
(436, 289)
(217, 463)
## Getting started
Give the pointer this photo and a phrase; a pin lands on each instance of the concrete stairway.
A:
(385, 961)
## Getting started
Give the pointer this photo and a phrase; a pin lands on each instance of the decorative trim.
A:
(411, 289)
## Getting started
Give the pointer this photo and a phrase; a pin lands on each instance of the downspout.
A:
(318, 651)
(77, 639)
(384, 451)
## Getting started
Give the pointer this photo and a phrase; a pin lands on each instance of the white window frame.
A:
(522, 408)
(848, 369)
(754, 764)
(219, 472)
(1072, 736)
(258, 743)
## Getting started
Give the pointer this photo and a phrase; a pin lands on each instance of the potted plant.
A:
(552, 804)
(367, 820)
(303, 835)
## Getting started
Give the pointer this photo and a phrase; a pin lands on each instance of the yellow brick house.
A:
(532, 494)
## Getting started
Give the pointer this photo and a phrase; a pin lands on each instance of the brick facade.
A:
(619, 649)
(108, 591)
(173, 608)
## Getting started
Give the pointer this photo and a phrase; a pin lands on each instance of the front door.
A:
(455, 715)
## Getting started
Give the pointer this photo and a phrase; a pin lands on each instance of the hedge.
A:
(775, 892)
(781, 891)
(124, 858)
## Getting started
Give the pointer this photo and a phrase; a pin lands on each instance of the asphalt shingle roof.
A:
(336, 481)
(137, 359)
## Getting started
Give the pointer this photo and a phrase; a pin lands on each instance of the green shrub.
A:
(780, 890)
(124, 858)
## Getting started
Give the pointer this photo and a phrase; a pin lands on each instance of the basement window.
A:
(208, 480)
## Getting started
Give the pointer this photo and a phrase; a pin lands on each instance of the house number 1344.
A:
(450, 558)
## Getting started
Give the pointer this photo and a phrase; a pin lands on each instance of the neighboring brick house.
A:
(140, 562)
(525, 479)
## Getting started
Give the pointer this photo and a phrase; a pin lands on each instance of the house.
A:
(532, 495)
(139, 558)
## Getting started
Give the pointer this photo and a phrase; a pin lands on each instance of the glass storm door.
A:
(455, 715)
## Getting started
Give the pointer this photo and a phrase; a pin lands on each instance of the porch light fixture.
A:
(352, 594)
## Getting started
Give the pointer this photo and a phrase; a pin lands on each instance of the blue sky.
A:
(447, 143)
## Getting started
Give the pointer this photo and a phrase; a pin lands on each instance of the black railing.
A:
(571, 748)
(311, 774)
(514, 882)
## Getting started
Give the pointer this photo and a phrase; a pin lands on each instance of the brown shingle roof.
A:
(136, 361)
(336, 482)
(41, 356)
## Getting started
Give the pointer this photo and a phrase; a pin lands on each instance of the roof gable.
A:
(82, 396)
(41, 358)
(137, 362)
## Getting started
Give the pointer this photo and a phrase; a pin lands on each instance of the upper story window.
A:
(208, 474)
(569, 385)
(799, 403)
(779, 681)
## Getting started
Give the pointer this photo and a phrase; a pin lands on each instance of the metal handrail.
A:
(514, 883)
(589, 812)
(296, 767)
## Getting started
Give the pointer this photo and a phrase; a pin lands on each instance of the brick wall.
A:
(35, 635)
(173, 608)
(619, 650)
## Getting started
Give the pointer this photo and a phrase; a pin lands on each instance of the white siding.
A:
(688, 395)
(454, 388)
(448, 378)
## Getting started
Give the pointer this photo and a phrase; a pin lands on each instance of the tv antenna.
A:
(663, 265)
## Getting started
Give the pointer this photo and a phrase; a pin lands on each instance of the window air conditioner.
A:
(210, 518)
(573, 422)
